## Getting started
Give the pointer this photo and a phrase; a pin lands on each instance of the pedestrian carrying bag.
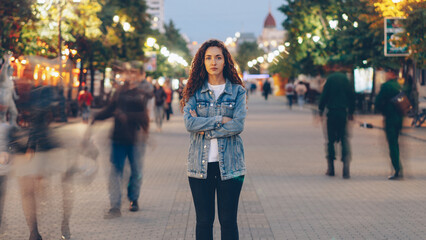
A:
(402, 103)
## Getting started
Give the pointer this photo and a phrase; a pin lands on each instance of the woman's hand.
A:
(193, 113)
(29, 154)
(226, 119)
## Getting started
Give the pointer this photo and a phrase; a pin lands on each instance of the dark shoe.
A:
(330, 168)
(35, 236)
(330, 173)
(65, 229)
(113, 213)
(396, 176)
(134, 207)
(346, 174)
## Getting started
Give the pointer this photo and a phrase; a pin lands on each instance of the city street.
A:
(286, 194)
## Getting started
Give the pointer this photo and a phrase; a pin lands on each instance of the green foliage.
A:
(246, 52)
(355, 42)
(415, 26)
(16, 20)
(175, 41)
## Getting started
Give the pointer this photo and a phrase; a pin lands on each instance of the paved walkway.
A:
(285, 194)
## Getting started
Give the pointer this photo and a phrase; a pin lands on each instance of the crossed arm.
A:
(216, 126)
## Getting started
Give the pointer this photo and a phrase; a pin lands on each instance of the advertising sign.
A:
(363, 79)
(395, 38)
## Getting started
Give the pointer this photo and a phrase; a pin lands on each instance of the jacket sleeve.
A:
(351, 99)
(236, 125)
(107, 112)
(323, 99)
(199, 124)
(379, 103)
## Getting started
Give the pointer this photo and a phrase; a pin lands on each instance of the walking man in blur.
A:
(131, 123)
(266, 89)
(339, 98)
(301, 90)
(392, 118)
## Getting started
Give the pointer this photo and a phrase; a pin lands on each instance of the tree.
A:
(175, 41)
(16, 22)
(247, 51)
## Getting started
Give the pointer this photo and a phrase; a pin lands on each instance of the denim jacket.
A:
(208, 125)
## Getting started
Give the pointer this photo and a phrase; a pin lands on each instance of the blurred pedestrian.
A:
(146, 88)
(392, 118)
(7, 91)
(289, 92)
(129, 136)
(168, 103)
(5, 160)
(339, 98)
(159, 100)
(301, 90)
(45, 156)
(266, 89)
(85, 99)
(214, 106)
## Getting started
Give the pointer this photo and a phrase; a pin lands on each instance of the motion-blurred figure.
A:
(339, 98)
(392, 118)
(85, 99)
(7, 91)
(130, 132)
(266, 89)
(301, 90)
(168, 104)
(289, 92)
(45, 156)
(160, 99)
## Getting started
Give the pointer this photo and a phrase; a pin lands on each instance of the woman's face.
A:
(214, 61)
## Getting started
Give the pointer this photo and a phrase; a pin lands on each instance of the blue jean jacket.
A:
(231, 103)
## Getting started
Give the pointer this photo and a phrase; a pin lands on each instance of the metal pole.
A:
(60, 45)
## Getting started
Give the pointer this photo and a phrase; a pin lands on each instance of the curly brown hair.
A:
(198, 73)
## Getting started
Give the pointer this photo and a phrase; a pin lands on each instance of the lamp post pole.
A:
(60, 45)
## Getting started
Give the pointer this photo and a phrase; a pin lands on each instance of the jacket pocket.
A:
(202, 109)
(227, 109)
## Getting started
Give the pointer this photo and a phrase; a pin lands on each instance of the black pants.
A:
(228, 194)
(337, 132)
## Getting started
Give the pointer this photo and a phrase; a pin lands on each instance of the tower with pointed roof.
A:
(271, 37)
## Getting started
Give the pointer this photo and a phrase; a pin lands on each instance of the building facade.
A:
(271, 37)
(156, 11)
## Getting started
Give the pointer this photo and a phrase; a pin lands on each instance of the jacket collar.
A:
(227, 90)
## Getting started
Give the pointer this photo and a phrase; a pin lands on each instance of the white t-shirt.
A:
(214, 149)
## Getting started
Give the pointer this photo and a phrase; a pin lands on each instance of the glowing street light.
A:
(126, 26)
(355, 24)
(150, 42)
(116, 19)
(333, 23)
(345, 16)
(315, 38)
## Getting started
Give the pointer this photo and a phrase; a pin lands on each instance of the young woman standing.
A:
(214, 106)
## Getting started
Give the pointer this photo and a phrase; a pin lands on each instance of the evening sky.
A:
(204, 19)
